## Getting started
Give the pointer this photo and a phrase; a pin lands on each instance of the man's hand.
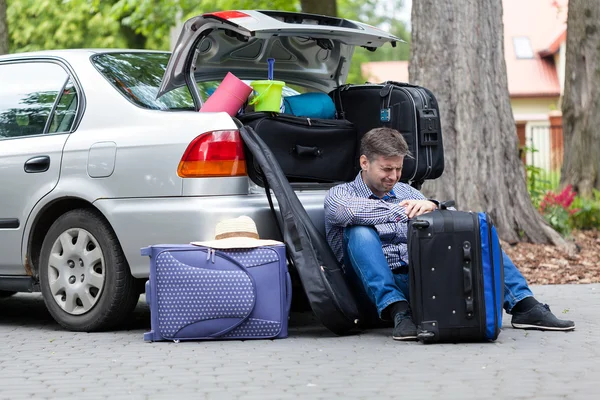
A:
(417, 207)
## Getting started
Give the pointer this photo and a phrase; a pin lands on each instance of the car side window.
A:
(28, 92)
(66, 109)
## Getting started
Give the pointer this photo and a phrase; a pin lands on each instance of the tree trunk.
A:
(323, 7)
(458, 53)
(581, 102)
(3, 28)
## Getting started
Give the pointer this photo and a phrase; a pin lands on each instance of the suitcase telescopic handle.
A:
(444, 205)
(420, 224)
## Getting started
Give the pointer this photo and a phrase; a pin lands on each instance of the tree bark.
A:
(458, 52)
(3, 28)
(581, 101)
(323, 7)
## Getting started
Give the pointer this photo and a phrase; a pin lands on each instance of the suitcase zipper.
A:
(428, 150)
(480, 294)
(416, 130)
(489, 229)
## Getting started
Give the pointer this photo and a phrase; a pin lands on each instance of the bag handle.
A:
(444, 205)
(307, 151)
(401, 84)
(468, 278)
(255, 99)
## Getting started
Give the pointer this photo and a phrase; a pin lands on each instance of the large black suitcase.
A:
(308, 149)
(410, 109)
(323, 278)
(456, 276)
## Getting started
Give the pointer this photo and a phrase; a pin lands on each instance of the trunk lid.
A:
(313, 51)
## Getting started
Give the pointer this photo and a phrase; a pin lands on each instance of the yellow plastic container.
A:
(268, 95)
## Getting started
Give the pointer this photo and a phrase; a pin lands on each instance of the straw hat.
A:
(236, 233)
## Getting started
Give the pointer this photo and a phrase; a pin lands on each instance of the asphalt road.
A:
(40, 360)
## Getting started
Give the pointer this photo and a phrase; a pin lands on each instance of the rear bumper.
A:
(177, 220)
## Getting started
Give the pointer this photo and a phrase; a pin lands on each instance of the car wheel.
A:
(6, 293)
(84, 276)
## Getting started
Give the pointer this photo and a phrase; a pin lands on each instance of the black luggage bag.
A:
(410, 109)
(323, 278)
(456, 276)
(308, 149)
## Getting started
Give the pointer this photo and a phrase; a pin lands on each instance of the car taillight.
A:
(213, 154)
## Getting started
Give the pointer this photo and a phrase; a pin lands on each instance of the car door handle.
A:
(37, 164)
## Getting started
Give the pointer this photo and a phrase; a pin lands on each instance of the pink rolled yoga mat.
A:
(229, 96)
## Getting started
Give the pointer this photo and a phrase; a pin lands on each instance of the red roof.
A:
(543, 22)
(381, 71)
(554, 46)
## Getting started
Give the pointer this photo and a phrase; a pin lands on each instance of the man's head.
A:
(382, 154)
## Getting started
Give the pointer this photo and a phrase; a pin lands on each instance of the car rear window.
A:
(138, 75)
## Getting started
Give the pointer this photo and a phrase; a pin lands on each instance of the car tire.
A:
(6, 293)
(84, 276)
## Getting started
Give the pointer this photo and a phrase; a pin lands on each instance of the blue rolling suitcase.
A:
(456, 276)
(198, 293)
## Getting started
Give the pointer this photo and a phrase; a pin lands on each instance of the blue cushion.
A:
(310, 105)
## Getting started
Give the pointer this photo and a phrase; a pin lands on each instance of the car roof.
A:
(71, 53)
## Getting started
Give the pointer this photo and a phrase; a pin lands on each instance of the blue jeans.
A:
(363, 251)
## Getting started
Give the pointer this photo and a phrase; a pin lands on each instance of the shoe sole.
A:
(542, 328)
(402, 338)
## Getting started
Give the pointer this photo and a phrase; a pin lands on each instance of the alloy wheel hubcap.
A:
(76, 271)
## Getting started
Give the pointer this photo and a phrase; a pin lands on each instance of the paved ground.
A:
(39, 360)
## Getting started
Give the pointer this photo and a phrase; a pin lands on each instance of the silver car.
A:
(103, 152)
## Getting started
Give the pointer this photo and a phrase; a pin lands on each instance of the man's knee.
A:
(361, 235)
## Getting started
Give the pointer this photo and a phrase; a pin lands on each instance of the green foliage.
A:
(539, 181)
(559, 219)
(557, 209)
(536, 186)
(147, 19)
(566, 210)
(587, 214)
(45, 24)
(370, 12)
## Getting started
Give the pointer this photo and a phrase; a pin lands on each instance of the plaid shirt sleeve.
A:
(404, 192)
(343, 208)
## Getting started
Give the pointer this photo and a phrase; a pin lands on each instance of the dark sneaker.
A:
(404, 327)
(540, 317)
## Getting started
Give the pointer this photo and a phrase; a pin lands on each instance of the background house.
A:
(534, 46)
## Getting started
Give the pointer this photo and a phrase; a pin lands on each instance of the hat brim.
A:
(237, 243)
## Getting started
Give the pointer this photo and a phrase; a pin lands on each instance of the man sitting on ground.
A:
(366, 226)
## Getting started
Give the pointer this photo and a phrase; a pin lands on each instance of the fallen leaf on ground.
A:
(542, 266)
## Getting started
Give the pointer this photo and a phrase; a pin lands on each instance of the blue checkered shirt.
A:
(353, 203)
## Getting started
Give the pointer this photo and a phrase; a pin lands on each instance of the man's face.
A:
(381, 174)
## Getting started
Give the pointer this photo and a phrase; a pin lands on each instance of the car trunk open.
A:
(309, 50)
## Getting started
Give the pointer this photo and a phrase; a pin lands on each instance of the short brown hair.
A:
(386, 142)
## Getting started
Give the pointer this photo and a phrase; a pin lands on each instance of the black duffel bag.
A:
(410, 109)
(307, 149)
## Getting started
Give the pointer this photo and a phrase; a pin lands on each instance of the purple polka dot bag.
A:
(199, 293)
